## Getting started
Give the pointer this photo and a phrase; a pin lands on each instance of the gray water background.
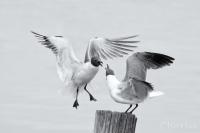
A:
(29, 98)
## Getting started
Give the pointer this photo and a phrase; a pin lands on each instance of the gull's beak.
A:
(101, 63)
(107, 66)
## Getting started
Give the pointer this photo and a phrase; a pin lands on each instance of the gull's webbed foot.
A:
(75, 105)
(92, 98)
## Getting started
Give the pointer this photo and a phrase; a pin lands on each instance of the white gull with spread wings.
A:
(76, 74)
(133, 89)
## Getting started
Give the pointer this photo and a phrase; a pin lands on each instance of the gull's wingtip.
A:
(135, 35)
(37, 34)
(137, 41)
(33, 32)
(132, 36)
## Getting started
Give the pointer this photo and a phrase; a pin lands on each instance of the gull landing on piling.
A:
(76, 74)
(133, 89)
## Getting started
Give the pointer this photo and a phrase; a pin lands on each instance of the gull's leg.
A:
(75, 105)
(134, 108)
(128, 108)
(91, 97)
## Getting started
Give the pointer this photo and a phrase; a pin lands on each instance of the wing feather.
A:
(124, 38)
(106, 53)
(135, 88)
(102, 55)
(115, 53)
(126, 41)
(111, 53)
(67, 61)
(116, 49)
(44, 40)
(117, 43)
(109, 48)
(138, 63)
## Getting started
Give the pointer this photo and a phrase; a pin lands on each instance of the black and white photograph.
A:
(99, 66)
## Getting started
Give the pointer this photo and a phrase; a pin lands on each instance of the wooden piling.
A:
(114, 122)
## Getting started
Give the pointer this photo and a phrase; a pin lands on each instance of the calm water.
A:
(29, 101)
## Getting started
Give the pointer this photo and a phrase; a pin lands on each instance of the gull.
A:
(133, 89)
(77, 74)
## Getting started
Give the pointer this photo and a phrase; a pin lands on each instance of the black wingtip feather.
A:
(36, 34)
(45, 41)
(124, 38)
(126, 41)
(159, 59)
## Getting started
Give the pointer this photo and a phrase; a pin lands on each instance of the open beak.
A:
(101, 63)
(106, 67)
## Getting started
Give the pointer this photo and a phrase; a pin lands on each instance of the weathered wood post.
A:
(114, 122)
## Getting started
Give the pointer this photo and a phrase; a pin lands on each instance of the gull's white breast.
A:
(85, 73)
(116, 87)
(113, 84)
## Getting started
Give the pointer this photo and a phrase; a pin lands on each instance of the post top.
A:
(114, 113)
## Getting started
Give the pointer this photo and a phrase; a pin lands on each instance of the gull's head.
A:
(109, 71)
(96, 61)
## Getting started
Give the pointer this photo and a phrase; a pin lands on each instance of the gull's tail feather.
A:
(155, 94)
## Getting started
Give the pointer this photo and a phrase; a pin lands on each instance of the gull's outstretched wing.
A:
(67, 61)
(138, 63)
(109, 48)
